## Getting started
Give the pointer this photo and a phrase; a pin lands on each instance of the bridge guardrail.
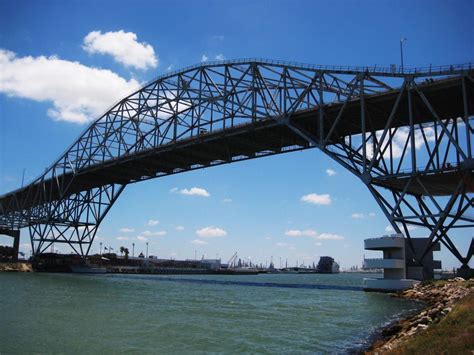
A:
(395, 70)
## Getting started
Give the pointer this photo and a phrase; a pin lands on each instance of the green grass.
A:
(454, 334)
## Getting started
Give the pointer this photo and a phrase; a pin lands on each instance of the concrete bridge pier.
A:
(15, 234)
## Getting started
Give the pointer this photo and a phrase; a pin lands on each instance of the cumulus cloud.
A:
(312, 234)
(78, 93)
(390, 229)
(357, 215)
(153, 222)
(220, 57)
(127, 230)
(211, 232)
(329, 236)
(399, 139)
(330, 172)
(123, 47)
(173, 190)
(199, 242)
(315, 199)
(301, 233)
(204, 58)
(195, 191)
(154, 234)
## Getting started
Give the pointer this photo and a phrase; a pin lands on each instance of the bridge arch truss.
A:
(406, 135)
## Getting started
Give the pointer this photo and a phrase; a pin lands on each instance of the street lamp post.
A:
(100, 251)
(147, 250)
(133, 250)
(403, 39)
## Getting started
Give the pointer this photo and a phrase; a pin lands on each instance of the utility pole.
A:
(133, 250)
(147, 250)
(100, 251)
(403, 39)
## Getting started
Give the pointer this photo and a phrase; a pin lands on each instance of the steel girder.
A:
(406, 135)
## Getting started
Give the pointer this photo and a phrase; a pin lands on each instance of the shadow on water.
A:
(252, 284)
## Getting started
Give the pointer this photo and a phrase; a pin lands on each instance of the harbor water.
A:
(112, 313)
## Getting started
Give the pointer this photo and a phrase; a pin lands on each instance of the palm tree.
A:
(126, 252)
(122, 249)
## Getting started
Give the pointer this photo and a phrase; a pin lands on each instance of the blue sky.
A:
(256, 203)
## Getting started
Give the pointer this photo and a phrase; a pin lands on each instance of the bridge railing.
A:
(395, 70)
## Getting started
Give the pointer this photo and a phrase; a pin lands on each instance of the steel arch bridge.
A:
(406, 135)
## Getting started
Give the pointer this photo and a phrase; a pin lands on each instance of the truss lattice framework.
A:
(407, 136)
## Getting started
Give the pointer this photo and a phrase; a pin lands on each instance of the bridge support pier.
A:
(15, 234)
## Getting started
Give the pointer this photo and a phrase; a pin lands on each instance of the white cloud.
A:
(123, 47)
(399, 139)
(78, 93)
(204, 58)
(318, 244)
(357, 215)
(127, 230)
(169, 67)
(153, 222)
(372, 214)
(390, 229)
(173, 190)
(199, 242)
(154, 234)
(179, 228)
(195, 191)
(324, 199)
(313, 234)
(220, 57)
(329, 236)
(330, 172)
(211, 232)
(227, 200)
(142, 238)
(122, 238)
(301, 233)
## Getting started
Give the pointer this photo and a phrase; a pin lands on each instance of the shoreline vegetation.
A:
(444, 326)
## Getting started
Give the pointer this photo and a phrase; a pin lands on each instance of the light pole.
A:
(147, 250)
(100, 251)
(403, 39)
(133, 250)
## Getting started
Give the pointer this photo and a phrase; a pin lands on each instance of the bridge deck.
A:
(268, 136)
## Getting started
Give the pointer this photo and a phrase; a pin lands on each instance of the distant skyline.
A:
(63, 64)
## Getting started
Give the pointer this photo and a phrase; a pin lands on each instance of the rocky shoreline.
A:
(439, 298)
(16, 267)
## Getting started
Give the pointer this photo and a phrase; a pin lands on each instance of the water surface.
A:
(73, 313)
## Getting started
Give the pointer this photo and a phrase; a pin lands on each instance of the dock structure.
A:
(399, 263)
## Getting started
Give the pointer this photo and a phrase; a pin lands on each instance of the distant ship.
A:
(327, 265)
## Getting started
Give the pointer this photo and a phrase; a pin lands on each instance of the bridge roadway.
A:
(267, 137)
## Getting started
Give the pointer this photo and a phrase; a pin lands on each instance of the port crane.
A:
(231, 262)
